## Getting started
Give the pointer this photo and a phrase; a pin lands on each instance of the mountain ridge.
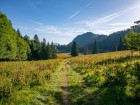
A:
(87, 38)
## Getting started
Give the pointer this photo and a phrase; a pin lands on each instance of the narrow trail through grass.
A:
(59, 85)
(71, 85)
(65, 85)
(75, 86)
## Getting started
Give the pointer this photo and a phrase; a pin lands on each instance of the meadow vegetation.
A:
(23, 82)
(99, 79)
(108, 79)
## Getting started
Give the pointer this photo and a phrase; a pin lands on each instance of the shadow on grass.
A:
(52, 98)
(104, 95)
(111, 92)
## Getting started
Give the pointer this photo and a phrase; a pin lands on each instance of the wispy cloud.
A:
(107, 24)
(121, 24)
(104, 21)
(90, 3)
(103, 25)
(72, 16)
(36, 22)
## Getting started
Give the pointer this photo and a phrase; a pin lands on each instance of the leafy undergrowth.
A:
(107, 79)
(100, 79)
(38, 85)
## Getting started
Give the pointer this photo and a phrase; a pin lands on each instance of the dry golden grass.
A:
(108, 55)
(63, 55)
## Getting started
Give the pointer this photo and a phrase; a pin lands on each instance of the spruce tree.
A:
(26, 38)
(74, 50)
(54, 51)
(49, 51)
(19, 33)
(44, 49)
(36, 39)
(95, 48)
(37, 48)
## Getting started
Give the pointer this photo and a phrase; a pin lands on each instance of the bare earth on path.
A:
(64, 85)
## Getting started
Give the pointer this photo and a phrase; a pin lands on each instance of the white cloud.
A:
(122, 24)
(72, 16)
(90, 3)
(36, 22)
(102, 20)
(103, 25)
(113, 22)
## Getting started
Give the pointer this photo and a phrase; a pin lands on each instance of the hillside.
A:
(87, 38)
(112, 40)
(105, 43)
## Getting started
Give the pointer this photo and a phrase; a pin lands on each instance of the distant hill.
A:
(105, 43)
(87, 38)
(111, 41)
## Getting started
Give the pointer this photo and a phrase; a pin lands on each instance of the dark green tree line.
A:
(41, 50)
(13, 46)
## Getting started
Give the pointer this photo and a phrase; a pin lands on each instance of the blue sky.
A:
(62, 20)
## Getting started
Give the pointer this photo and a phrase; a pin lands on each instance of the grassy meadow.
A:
(98, 79)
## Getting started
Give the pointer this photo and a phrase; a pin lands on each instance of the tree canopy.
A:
(132, 41)
(15, 47)
(12, 46)
(74, 50)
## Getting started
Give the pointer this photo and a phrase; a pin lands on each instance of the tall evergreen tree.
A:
(36, 39)
(44, 49)
(74, 50)
(19, 33)
(54, 51)
(36, 52)
(95, 48)
(49, 51)
(26, 38)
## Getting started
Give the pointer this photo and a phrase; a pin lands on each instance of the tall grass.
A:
(110, 78)
(18, 80)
